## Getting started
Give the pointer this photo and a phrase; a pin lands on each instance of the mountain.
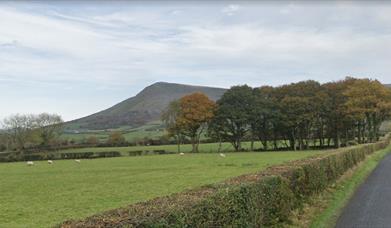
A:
(145, 107)
(388, 85)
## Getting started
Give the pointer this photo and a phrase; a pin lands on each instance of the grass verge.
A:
(324, 209)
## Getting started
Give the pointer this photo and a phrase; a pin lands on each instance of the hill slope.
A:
(146, 106)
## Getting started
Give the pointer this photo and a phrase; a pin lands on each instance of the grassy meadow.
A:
(203, 148)
(152, 130)
(44, 195)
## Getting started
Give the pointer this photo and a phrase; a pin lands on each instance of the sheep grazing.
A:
(181, 154)
(30, 163)
(77, 161)
(50, 162)
(222, 155)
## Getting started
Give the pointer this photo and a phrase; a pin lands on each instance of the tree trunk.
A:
(219, 149)
(264, 144)
(337, 140)
(193, 144)
(179, 143)
(275, 144)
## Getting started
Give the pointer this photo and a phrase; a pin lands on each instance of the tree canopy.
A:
(295, 116)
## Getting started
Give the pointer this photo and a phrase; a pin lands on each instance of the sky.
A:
(75, 58)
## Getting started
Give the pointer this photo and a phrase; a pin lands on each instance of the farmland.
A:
(44, 195)
(152, 130)
(204, 148)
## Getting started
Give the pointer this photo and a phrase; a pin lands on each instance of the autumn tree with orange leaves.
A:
(196, 111)
(370, 102)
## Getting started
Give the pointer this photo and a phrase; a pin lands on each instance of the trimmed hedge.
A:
(13, 157)
(266, 198)
(90, 155)
(148, 152)
(76, 155)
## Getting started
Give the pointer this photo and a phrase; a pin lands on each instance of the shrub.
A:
(351, 143)
(77, 155)
(107, 154)
(135, 153)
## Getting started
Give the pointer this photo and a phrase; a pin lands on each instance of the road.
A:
(370, 206)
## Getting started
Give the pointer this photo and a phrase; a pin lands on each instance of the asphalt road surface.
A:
(370, 206)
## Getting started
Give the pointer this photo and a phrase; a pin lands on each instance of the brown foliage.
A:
(196, 110)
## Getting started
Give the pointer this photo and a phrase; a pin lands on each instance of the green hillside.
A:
(145, 107)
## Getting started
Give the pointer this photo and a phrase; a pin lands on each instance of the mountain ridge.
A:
(144, 107)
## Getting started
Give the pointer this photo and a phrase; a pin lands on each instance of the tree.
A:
(196, 110)
(299, 109)
(234, 114)
(92, 140)
(3, 142)
(216, 131)
(116, 139)
(337, 118)
(170, 119)
(49, 126)
(304, 114)
(18, 129)
(369, 101)
(263, 114)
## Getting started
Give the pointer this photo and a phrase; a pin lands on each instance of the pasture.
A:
(203, 148)
(44, 195)
(152, 130)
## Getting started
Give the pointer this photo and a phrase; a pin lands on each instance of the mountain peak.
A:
(160, 83)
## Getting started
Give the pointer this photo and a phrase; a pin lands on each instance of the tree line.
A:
(24, 131)
(295, 116)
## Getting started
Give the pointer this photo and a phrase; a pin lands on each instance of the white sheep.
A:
(181, 154)
(77, 161)
(30, 163)
(222, 155)
(50, 162)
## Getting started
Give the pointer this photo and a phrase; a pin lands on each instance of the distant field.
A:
(203, 148)
(44, 195)
(151, 130)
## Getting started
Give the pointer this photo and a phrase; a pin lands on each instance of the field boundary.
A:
(265, 198)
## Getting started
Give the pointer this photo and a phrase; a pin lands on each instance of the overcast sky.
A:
(76, 58)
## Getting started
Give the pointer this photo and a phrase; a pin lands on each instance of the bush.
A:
(135, 153)
(83, 155)
(351, 143)
(9, 157)
(107, 154)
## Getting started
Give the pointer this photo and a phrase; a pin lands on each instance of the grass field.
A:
(203, 148)
(44, 195)
(152, 130)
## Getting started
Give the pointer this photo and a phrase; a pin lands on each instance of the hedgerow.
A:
(262, 199)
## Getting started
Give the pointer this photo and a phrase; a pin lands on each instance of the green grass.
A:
(44, 195)
(152, 130)
(337, 199)
(101, 136)
(203, 148)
